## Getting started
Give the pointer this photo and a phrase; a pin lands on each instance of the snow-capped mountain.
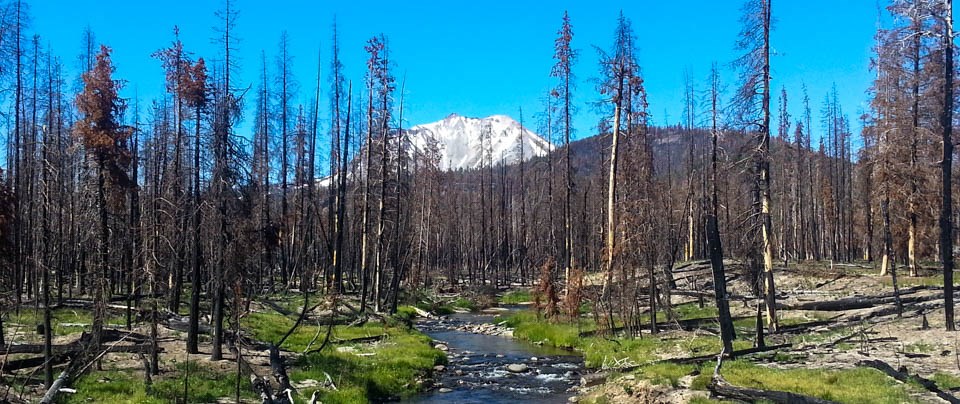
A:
(460, 144)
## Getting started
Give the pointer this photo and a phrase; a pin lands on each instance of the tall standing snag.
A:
(623, 84)
(727, 331)
(565, 57)
(946, 207)
(755, 76)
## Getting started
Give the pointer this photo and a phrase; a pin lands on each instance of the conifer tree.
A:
(104, 139)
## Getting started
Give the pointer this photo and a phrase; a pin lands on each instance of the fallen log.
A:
(30, 348)
(905, 377)
(280, 374)
(849, 303)
(66, 355)
(278, 308)
(720, 387)
(697, 265)
(803, 327)
(262, 388)
(51, 393)
(594, 379)
(108, 335)
(423, 313)
(734, 354)
(918, 308)
(360, 340)
(183, 326)
(864, 302)
(33, 362)
(78, 302)
(695, 359)
(825, 283)
(696, 323)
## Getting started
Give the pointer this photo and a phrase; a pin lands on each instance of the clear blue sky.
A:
(479, 58)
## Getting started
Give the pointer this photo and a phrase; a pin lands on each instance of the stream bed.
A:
(477, 369)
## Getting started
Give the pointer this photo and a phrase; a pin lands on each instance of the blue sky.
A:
(480, 58)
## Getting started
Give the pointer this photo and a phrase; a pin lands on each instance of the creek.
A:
(478, 365)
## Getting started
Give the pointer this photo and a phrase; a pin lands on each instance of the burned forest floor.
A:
(841, 339)
(366, 358)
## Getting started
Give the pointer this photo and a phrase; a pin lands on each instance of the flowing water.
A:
(477, 369)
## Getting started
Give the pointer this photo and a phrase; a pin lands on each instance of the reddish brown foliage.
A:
(574, 296)
(99, 107)
(545, 297)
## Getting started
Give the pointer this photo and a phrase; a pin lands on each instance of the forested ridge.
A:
(159, 224)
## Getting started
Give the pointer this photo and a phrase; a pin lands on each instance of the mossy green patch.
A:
(859, 385)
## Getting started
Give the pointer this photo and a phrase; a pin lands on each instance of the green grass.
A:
(125, 386)
(946, 381)
(405, 313)
(918, 347)
(832, 334)
(666, 373)
(859, 385)
(397, 362)
(845, 386)
(379, 371)
(905, 281)
(110, 386)
(516, 297)
(909, 281)
(205, 384)
(271, 326)
(529, 326)
(391, 372)
(600, 350)
(30, 318)
(689, 311)
(465, 304)
(435, 308)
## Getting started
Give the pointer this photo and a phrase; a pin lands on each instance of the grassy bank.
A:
(393, 366)
(598, 351)
(856, 385)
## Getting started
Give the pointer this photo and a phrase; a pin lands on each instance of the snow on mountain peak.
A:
(460, 143)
